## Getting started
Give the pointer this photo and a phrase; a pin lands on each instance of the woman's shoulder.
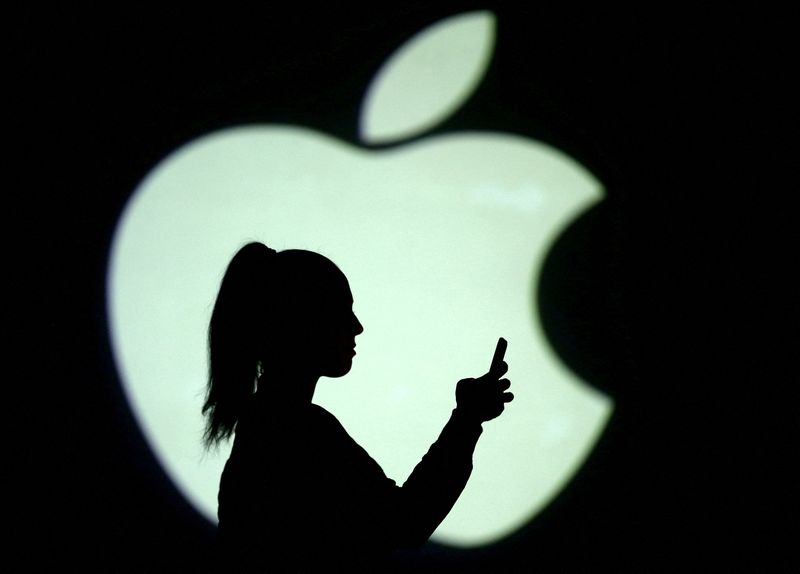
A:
(289, 421)
(322, 414)
(326, 423)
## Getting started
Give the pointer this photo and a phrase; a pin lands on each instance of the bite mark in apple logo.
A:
(442, 240)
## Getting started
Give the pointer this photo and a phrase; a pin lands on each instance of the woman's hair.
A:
(264, 297)
(235, 339)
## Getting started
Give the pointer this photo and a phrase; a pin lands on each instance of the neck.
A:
(289, 388)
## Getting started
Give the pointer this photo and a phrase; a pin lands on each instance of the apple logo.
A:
(442, 238)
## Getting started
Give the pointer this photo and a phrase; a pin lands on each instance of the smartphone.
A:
(499, 354)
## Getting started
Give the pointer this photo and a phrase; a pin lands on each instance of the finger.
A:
(497, 371)
(496, 388)
(508, 397)
(499, 353)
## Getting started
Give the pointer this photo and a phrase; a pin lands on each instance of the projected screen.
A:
(442, 240)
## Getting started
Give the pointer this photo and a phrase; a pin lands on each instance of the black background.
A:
(675, 295)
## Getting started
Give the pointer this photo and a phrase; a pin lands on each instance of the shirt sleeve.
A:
(436, 482)
(377, 512)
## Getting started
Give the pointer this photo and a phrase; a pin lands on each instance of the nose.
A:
(359, 328)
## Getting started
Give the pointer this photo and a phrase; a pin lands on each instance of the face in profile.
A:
(319, 322)
(335, 335)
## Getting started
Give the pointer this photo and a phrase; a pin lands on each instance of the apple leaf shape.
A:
(427, 78)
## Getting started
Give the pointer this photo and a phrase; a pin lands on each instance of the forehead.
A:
(331, 284)
(308, 274)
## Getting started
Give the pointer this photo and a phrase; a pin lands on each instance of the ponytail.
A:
(235, 340)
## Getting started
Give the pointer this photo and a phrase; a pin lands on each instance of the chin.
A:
(339, 370)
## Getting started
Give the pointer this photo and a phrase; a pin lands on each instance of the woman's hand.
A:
(484, 398)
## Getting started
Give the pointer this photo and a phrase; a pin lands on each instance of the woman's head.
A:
(276, 312)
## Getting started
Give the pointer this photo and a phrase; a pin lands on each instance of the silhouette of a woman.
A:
(298, 493)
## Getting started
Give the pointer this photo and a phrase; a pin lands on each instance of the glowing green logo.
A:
(442, 241)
